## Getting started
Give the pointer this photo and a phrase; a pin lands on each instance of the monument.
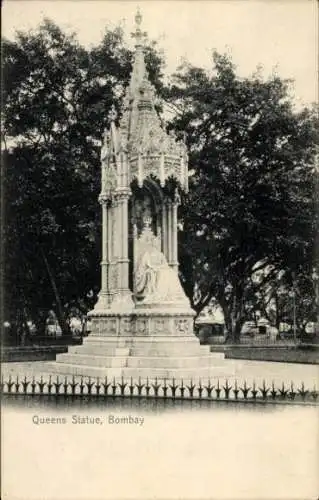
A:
(142, 323)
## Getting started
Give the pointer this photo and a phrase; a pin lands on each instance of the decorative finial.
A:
(138, 35)
(138, 17)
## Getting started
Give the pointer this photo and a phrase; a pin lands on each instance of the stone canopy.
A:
(140, 147)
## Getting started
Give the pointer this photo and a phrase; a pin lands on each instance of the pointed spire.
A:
(138, 35)
(139, 69)
(151, 151)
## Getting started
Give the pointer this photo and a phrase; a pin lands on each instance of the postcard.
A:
(160, 275)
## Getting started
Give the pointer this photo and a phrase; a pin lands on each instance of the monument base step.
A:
(161, 357)
(139, 346)
(151, 374)
(126, 361)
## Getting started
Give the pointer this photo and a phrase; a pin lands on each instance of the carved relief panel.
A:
(126, 326)
(183, 326)
(141, 327)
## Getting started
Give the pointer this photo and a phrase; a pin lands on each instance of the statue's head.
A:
(147, 237)
(147, 222)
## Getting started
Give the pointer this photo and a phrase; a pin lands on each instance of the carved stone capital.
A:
(122, 195)
(105, 199)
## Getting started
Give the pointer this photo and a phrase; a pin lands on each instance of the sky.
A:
(279, 35)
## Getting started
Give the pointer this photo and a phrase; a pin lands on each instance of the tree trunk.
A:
(26, 334)
(66, 332)
(277, 321)
(228, 322)
(237, 329)
(40, 322)
(19, 327)
(234, 318)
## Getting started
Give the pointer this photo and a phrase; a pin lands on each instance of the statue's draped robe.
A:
(155, 280)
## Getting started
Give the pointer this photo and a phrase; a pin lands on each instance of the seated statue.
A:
(155, 280)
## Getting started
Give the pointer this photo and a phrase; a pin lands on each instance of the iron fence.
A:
(155, 389)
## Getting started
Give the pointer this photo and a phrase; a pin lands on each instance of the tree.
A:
(57, 97)
(285, 292)
(251, 205)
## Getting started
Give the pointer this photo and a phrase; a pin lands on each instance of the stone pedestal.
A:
(141, 357)
(146, 344)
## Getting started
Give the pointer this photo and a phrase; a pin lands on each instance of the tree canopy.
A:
(252, 202)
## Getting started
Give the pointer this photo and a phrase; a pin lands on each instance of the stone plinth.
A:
(161, 357)
(143, 322)
(146, 344)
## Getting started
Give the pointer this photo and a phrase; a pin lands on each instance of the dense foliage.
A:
(251, 212)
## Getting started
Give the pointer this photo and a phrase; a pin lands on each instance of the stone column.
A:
(109, 248)
(124, 249)
(104, 263)
(104, 295)
(116, 236)
(164, 230)
(123, 293)
(174, 261)
(112, 247)
(109, 236)
(169, 232)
